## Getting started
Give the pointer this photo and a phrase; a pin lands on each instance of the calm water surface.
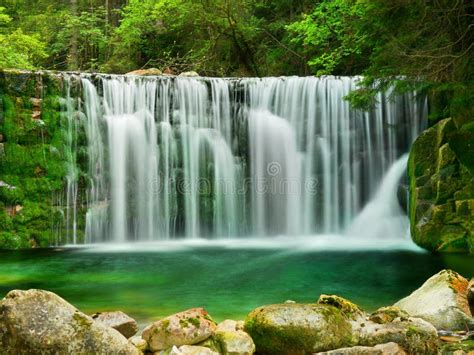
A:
(150, 283)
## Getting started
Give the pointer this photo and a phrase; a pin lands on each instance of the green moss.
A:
(348, 308)
(183, 323)
(32, 160)
(165, 323)
(441, 186)
(194, 321)
(466, 346)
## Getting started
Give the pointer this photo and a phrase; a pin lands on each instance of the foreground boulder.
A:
(442, 301)
(186, 328)
(381, 349)
(121, 322)
(232, 340)
(293, 328)
(37, 321)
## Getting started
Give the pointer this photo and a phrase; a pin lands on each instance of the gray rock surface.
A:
(442, 301)
(118, 320)
(37, 321)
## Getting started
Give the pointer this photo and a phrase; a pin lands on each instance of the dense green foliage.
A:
(427, 43)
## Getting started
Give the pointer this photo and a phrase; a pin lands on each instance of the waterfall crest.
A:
(172, 157)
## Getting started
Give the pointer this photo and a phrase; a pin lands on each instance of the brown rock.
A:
(146, 72)
(185, 328)
(118, 320)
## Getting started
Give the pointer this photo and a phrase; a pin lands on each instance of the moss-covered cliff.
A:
(441, 171)
(32, 163)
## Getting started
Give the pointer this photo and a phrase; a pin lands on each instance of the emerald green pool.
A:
(229, 280)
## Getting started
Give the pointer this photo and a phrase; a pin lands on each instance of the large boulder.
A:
(118, 320)
(381, 349)
(441, 174)
(37, 321)
(185, 328)
(230, 339)
(293, 328)
(442, 301)
(235, 342)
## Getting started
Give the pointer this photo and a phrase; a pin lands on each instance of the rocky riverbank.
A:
(436, 318)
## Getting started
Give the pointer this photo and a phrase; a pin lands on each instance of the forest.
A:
(427, 45)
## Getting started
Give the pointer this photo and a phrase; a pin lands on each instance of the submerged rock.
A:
(442, 301)
(118, 320)
(185, 328)
(37, 321)
(381, 349)
(298, 328)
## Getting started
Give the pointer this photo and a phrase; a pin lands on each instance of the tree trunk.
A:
(73, 61)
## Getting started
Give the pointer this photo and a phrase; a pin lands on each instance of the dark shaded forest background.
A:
(412, 44)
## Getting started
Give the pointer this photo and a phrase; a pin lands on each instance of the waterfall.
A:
(177, 157)
(382, 217)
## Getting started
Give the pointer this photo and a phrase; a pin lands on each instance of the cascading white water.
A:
(382, 217)
(207, 157)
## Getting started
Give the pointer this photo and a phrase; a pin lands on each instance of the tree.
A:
(18, 50)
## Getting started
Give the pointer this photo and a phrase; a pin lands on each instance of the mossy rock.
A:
(440, 170)
(294, 328)
(349, 309)
(33, 157)
(388, 314)
(40, 322)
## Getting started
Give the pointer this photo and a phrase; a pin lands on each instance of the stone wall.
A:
(32, 162)
(441, 172)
